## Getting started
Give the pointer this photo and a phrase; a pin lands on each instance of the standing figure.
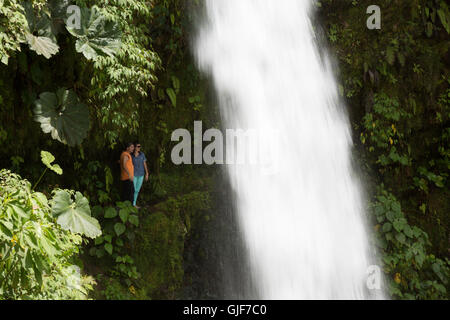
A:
(127, 173)
(140, 170)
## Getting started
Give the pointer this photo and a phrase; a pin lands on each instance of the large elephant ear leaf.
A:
(39, 32)
(75, 215)
(96, 35)
(42, 45)
(63, 116)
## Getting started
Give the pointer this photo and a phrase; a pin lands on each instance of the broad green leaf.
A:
(133, 219)
(124, 205)
(39, 262)
(56, 168)
(390, 215)
(4, 59)
(108, 238)
(398, 225)
(109, 248)
(408, 231)
(42, 45)
(124, 213)
(96, 36)
(19, 211)
(47, 246)
(47, 159)
(176, 84)
(444, 21)
(75, 215)
(400, 237)
(132, 209)
(379, 210)
(396, 207)
(380, 218)
(98, 240)
(417, 231)
(387, 227)
(30, 240)
(5, 232)
(419, 259)
(172, 96)
(41, 198)
(119, 242)
(39, 33)
(28, 262)
(63, 116)
(119, 228)
(436, 268)
(110, 213)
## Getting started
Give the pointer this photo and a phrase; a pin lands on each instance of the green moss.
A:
(159, 245)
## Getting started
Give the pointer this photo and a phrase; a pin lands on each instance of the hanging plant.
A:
(63, 116)
(96, 35)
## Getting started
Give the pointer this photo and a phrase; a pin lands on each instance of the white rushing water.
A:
(303, 223)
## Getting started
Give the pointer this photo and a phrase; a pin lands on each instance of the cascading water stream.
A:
(303, 223)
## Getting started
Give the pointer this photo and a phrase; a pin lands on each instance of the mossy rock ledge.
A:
(160, 242)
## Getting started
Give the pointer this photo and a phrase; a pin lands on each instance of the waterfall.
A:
(303, 220)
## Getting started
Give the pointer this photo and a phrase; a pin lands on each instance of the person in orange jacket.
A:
(127, 173)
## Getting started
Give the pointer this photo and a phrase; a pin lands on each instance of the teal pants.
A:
(137, 181)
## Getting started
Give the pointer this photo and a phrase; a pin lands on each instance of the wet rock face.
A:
(190, 247)
(215, 264)
(159, 247)
(159, 255)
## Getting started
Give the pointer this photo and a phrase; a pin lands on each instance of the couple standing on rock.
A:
(133, 167)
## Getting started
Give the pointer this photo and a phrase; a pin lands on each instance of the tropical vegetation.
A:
(72, 92)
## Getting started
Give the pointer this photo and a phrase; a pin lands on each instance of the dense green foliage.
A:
(87, 87)
(37, 252)
(396, 83)
(417, 273)
(147, 259)
(119, 229)
(126, 73)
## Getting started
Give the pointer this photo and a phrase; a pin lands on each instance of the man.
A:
(140, 169)
(127, 173)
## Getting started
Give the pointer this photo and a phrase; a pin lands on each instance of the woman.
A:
(140, 170)
(127, 173)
